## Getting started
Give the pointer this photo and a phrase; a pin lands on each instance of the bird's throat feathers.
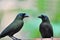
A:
(46, 21)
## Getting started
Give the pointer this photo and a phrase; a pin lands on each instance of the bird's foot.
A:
(16, 39)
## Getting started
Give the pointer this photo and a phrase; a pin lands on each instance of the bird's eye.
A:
(24, 14)
(20, 15)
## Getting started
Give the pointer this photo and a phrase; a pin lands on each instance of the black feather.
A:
(14, 27)
(45, 27)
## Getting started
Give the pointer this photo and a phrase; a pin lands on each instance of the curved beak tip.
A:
(26, 16)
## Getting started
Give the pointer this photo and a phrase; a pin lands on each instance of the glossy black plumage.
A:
(15, 26)
(45, 27)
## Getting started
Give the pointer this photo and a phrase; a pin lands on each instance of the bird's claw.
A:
(16, 39)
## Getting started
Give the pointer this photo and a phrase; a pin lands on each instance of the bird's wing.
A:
(11, 28)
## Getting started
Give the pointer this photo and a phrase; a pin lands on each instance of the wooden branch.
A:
(42, 39)
(47, 39)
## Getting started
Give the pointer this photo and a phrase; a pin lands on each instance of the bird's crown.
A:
(44, 16)
(21, 14)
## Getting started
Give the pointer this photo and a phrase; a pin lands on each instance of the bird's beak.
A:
(26, 16)
(39, 16)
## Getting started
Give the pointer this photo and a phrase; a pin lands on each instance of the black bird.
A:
(45, 27)
(14, 27)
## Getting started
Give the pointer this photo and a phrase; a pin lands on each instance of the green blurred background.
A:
(10, 8)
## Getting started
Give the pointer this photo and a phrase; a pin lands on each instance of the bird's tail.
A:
(1, 36)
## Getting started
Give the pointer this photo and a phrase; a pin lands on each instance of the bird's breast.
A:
(18, 25)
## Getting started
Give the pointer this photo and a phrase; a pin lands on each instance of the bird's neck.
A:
(19, 18)
(46, 21)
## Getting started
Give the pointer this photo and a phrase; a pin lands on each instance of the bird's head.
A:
(44, 17)
(22, 15)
